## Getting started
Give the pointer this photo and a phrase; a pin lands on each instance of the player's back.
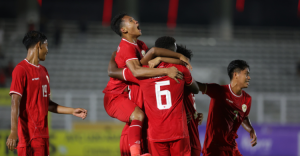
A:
(163, 102)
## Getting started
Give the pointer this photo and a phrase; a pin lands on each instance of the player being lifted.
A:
(30, 100)
(129, 54)
(229, 108)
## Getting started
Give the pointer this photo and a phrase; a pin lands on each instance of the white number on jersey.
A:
(160, 93)
(44, 87)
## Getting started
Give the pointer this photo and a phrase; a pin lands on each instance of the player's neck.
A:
(33, 56)
(236, 89)
(132, 39)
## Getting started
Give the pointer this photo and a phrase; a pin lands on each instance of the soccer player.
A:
(229, 108)
(189, 99)
(30, 99)
(163, 102)
(129, 54)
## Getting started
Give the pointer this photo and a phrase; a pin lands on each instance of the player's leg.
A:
(120, 107)
(159, 148)
(195, 152)
(181, 147)
(135, 131)
(124, 148)
(23, 151)
(39, 147)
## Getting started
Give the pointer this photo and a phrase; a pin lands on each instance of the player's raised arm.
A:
(139, 71)
(161, 52)
(154, 62)
(56, 108)
(248, 127)
(113, 70)
(11, 142)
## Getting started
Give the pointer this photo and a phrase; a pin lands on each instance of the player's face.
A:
(244, 78)
(43, 50)
(131, 26)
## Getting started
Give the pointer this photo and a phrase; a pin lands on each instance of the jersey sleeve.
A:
(18, 81)
(128, 53)
(48, 79)
(128, 76)
(187, 77)
(213, 90)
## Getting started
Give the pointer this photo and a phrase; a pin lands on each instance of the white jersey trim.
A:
(131, 59)
(124, 74)
(136, 126)
(31, 63)
(14, 92)
(233, 92)
(128, 41)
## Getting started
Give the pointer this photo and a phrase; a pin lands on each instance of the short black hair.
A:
(31, 38)
(165, 42)
(116, 22)
(184, 51)
(236, 66)
(168, 42)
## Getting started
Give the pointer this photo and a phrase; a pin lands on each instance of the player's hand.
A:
(187, 62)
(174, 73)
(80, 112)
(253, 137)
(12, 139)
(188, 117)
(154, 62)
(199, 118)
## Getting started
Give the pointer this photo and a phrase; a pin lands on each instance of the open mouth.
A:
(138, 27)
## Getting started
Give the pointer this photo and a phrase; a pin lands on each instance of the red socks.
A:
(134, 132)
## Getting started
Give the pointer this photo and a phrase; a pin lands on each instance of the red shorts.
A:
(119, 106)
(179, 147)
(195, 152)
(37, 147)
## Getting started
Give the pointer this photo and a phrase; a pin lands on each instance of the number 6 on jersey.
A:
(160, 93)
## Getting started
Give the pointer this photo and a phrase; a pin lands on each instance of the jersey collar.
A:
(128, 41)
(32, 64)
(233, 92)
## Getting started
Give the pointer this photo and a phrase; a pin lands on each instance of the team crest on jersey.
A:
(143, 52)
(244, 107)
(47, 78)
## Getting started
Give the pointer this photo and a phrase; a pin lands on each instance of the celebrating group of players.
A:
(152, 91)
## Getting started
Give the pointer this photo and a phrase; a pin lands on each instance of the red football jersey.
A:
(32, 83)
(190, 106)
(163, 102)
(226, 113)
(126, 51)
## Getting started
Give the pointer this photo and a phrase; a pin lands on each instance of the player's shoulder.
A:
(246, 94)
(43, 67)
(140, 42)
(21, 66)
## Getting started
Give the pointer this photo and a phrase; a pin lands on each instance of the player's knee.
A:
(138, 114)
